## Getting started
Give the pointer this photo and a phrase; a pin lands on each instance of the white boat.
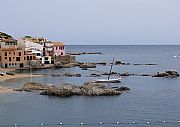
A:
(115, 80)
(176, 56)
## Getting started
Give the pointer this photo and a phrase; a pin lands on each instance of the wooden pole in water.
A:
(110, 69)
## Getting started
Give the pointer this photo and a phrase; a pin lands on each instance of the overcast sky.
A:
(94, 22)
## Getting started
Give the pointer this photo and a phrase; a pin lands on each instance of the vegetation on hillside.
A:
(5, 35)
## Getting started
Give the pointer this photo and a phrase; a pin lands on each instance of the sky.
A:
(94, 22)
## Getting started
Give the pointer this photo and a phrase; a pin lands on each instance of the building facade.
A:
(18, 54)
(59, 49)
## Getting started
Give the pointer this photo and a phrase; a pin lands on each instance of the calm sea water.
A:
(150, 99)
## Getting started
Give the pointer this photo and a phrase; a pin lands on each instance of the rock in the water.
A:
(88, 89)
(123, 88)
(167, 74)
(87, 65)
(69, 65)
(112, 73)
(55, 75)
(95, 75)
(72, 75)
(118, 62)
(125, 74)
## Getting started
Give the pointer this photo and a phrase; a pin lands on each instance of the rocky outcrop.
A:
(125, 74)
(69, 65)
(117, 62)
(58, 65)
(88, 89)
(72, 75)
(149, 64)
(95, 75)
(123, 88)
(167, 74)
(87, 65)
(36, 64)
(33, 86)
(83, 53)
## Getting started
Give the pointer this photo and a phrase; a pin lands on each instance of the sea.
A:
(150, 102)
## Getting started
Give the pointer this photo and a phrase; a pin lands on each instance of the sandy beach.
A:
(5, 90)
(7, 77)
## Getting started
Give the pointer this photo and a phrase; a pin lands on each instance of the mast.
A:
(110, 69)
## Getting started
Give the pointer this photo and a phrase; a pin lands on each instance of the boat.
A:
(176, 56)
(115, 80)
(10, 73)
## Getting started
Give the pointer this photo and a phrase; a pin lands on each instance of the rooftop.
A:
(58, 43)
(8, 40)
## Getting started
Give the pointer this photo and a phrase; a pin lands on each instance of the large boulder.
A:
(167, 74)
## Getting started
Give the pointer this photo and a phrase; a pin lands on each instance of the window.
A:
(61, 53)
(14, 53)
(5, 58)
(5, 54)
(24, 58)
(15, 64)
(19, 53)
(46, 58)
(27, 57)
(18, 59)
(9, 52)
(38, 54)
(30, 57)
(9, 63)
(59, 47)
(9, 58)
(56, 48)
(12, 63)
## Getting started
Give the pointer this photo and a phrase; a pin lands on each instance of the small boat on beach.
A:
(115, 80)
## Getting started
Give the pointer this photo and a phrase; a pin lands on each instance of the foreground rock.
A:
(88, 89)
(167, 74)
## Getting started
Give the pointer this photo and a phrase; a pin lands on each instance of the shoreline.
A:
(4, 89)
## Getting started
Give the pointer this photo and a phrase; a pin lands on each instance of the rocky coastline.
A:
(67, 90)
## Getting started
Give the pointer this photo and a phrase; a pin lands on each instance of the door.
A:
(21, 65)
(6, 65)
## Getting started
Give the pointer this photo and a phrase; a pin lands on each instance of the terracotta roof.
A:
(58, 43)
